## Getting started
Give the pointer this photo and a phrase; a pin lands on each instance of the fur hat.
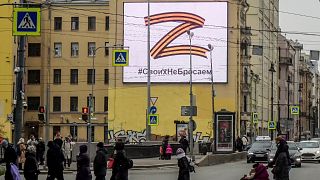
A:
(100, 145)
(180, 151)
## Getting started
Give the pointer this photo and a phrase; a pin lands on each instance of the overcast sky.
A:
(289, 22)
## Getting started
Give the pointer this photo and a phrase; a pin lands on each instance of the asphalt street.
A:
(228, 171)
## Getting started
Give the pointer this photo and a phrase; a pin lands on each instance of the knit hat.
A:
(180, 151)
(100, 145)
(4, 143)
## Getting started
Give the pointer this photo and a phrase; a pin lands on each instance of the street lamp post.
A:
(212, 88)
(190, 34)
(288, 104)
(272, 70)
(148, 128)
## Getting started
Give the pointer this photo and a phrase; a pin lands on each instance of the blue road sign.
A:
(271, 125)
(26, 21)
(153, 110)
(153, 120)
(120, 58)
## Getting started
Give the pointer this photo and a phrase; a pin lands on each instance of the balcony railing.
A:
(286, 61)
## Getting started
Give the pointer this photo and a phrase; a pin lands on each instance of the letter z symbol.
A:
(189, 21)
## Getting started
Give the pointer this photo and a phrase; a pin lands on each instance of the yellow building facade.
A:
(7, 61)
(59, 77)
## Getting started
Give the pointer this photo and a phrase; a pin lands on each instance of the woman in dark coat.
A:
(281, 170)
(83, 165)
(31, 170)
(120, 166)
(183, 163)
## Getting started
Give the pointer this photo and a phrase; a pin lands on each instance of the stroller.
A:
(258, 171)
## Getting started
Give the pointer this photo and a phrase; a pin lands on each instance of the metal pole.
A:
(148, 128)
(91, 110)
(212, 88)
(191, 102)
(288, 109)
(272, 70)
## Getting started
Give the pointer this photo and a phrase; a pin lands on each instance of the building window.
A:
(57, 76)
(92, 133)
(74, 76)
(106, 49)
(107, 23)
(91, 76)
(57, 49)
(91, 23)
(246, 75)
(34, 49)
(74, 133)
(74, 49)
(106, 133)
(56, 103)
(74, 23)
(245, 104)
(94, 103)
(106, 106)
(91, 48)
(73, 104)
(55, 131)
(33, 76)
(57, 23)
(33, 103)
(106, 76)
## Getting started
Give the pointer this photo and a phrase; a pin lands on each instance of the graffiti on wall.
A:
(197, 137)
(129, 136)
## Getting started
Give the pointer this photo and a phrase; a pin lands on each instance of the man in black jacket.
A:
(55, 159)
(100, 162)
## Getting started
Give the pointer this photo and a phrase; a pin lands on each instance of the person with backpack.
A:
(121, 163)
(183, 164)
(83, 164)
(100, 162)
(31, 169)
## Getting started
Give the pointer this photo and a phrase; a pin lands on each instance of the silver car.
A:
(310, 151)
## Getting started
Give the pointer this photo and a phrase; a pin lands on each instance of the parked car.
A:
(259, 151)
(310, 151)
(316, 139)
(294, 152)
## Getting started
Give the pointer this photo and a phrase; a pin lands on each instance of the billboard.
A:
(170, 45)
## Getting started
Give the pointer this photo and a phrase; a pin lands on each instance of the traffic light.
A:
(85, 113)
(41, 114)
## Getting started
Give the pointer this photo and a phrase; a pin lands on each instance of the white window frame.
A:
(57, 49)
(74, 49)
(91, 48)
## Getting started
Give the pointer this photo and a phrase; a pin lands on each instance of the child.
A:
(259, 172)
(168, 152)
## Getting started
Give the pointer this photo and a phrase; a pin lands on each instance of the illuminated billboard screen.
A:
(171, 48)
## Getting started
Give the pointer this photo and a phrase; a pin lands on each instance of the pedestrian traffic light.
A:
(41, 115)
(85, 113)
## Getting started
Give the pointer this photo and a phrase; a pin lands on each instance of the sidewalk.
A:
(137, 164)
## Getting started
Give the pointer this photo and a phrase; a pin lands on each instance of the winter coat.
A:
(10, 156)
(31, 170)
(184, 144)
(281, 170)
(22, 153)
(100, 163)
(83, 167)
(67, 148)
(120, 169)
(261, 173)
(41, 148)
(183, 165)
(55, 158)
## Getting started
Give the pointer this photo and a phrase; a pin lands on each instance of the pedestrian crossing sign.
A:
(153, 120)
(120, 57)
(255, 117)
(294, 110)
(272, 125)
(26, 22)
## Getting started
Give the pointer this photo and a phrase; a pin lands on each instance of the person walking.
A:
(121, 163)
(10, 158)
(21, 150)
(55, 159)
(83, 164)
(41, 148)
(32, 141)
(281, 170)
(184, 143)
(183, 164)
(239, 144)
(100, 162)
(31, 169)
(67, 149)
(164, 146)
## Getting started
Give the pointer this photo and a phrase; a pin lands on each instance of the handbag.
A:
(14, 172)
(110, 163)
